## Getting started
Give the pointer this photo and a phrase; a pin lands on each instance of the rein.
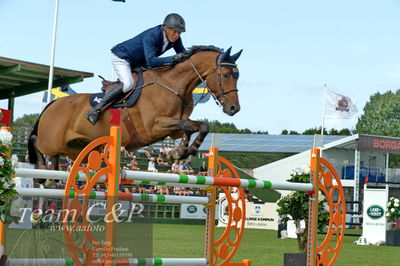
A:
(219, 100)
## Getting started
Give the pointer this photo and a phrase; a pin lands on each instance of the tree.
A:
(313, 131)
(293, 132)
(345, 132)
(381, 115)
(26, 120)
(218, 127)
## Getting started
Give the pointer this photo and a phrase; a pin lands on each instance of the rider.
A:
(142, 50)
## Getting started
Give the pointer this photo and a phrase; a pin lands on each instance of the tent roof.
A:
(18, 78)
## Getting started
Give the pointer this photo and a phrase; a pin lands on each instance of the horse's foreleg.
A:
(187, 129)
(203, 130)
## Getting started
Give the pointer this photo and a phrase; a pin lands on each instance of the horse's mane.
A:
(198, 48)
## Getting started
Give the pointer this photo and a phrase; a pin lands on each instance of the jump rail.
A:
(135, 197)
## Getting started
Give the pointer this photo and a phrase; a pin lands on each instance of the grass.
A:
(261, 246)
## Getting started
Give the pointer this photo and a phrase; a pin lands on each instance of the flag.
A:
(115, 117)
(58, 92)
(5, 116)
(337, 105)
(201, 94)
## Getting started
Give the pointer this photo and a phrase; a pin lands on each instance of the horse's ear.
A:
(226, 54)
(236, 56)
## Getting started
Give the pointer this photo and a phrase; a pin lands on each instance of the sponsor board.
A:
(258, 216)
(195, 211)
(374, 220)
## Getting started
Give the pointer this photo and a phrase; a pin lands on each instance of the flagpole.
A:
(53, 48)
(323, 120)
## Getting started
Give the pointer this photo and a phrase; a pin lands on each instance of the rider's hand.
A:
(178, 58)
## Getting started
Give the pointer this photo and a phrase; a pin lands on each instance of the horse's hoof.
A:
(174, 154)
(192, 152)
(169, 157)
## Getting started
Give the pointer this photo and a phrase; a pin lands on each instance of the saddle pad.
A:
(132, 99)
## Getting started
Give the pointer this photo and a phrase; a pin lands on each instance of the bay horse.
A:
(162, 110)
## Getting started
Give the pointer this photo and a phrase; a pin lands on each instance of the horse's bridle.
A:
(219, 99)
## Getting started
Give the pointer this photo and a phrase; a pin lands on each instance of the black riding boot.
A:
(94, 114)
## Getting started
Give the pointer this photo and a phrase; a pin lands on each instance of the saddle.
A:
(136, 72)
(128, 100)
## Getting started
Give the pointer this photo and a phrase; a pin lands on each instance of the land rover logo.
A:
(191, 209)
(375, 212)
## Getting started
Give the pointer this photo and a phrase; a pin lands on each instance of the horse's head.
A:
(222, 82)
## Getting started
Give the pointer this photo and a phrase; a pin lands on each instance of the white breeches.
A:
(123, 71)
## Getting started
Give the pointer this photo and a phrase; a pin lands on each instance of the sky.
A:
(291, 49)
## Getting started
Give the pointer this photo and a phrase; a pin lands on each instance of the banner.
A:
(258, 215)
(337, 105)
(195, 211)
(5, 116)
(378, 144)
(374, 220)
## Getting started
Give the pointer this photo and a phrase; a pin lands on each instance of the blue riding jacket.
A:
(145, 49)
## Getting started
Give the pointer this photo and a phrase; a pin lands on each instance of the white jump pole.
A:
(99, 195)
(173, 179)
(63, 175)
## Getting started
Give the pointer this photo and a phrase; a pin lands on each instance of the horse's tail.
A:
(33, 152)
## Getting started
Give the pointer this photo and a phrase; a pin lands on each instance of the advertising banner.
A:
(258, 216)
(374, 220)
(195, 211)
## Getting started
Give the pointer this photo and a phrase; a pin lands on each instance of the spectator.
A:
(162, 149)
(142, 189)
(203, 171)
(160, 161)
(180, 167)
(152, 165)
(167, 149)
(146, 151)
(126, 152)
(163, 190)
(175, 167)
(133, 164)
(70, 162)
(187, 167)
(178, 190)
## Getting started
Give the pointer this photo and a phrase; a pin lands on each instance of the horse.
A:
(163, 109)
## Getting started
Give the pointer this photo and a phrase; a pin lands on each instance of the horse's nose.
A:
(234, 109)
